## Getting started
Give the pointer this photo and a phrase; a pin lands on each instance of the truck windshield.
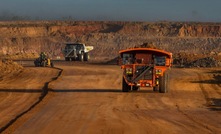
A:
(68, 47)
(79, 46)
(127, 58)
(160, 60)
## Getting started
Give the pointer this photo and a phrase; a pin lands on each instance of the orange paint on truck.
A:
(144, 67)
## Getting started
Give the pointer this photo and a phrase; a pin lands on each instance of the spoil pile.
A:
(9, 67)
(205, 62)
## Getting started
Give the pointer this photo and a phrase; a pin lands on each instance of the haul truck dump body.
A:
(145, 67)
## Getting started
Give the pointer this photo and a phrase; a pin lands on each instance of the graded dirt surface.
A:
(87, 98)
(20, 92)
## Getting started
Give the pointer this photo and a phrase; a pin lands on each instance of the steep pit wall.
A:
(108, 37)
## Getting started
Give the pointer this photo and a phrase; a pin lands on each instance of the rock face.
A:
(108, 37)
(200, 30)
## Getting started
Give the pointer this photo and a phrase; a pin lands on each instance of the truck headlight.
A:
(129, 71)
(158, 71)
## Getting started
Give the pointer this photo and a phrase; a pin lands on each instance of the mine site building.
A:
(145, 67)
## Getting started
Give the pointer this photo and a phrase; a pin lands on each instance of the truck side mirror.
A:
(168, 62)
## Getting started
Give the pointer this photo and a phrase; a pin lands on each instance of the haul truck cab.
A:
(145, 67)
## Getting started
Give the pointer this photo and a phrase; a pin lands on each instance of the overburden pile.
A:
(9, 67)
(205, 62)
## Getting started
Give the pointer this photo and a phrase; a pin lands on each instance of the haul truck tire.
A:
(36, 63)
(135, 88)
(43, 64)
(86, 56)
(73, 59)
(81, 57)
(125, 86)
(164, 83)
(67, 59)
(52, 64)
(156, 88)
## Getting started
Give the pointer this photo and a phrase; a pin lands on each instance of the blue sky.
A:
(116, 10)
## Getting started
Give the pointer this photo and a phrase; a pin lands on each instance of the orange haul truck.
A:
(145, 67)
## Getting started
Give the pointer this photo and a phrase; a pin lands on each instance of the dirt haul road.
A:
(88, 99)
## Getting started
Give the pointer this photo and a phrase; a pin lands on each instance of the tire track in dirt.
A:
(86, 101)
(211, 96)
(216, 87)
(45, 90)
(191, 117)
(206, 95)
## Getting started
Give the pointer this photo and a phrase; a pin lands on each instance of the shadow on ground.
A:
(21, 90)
(215, 104)
(73, 91)
(216, 79)
(97, 91)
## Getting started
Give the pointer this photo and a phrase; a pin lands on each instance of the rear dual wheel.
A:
(125, 86)
(43, 63)
(68, 59)
(163, 87)
(156, 88)
(81, 56)
(52, 64)
(135, 88)
(86, 57)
